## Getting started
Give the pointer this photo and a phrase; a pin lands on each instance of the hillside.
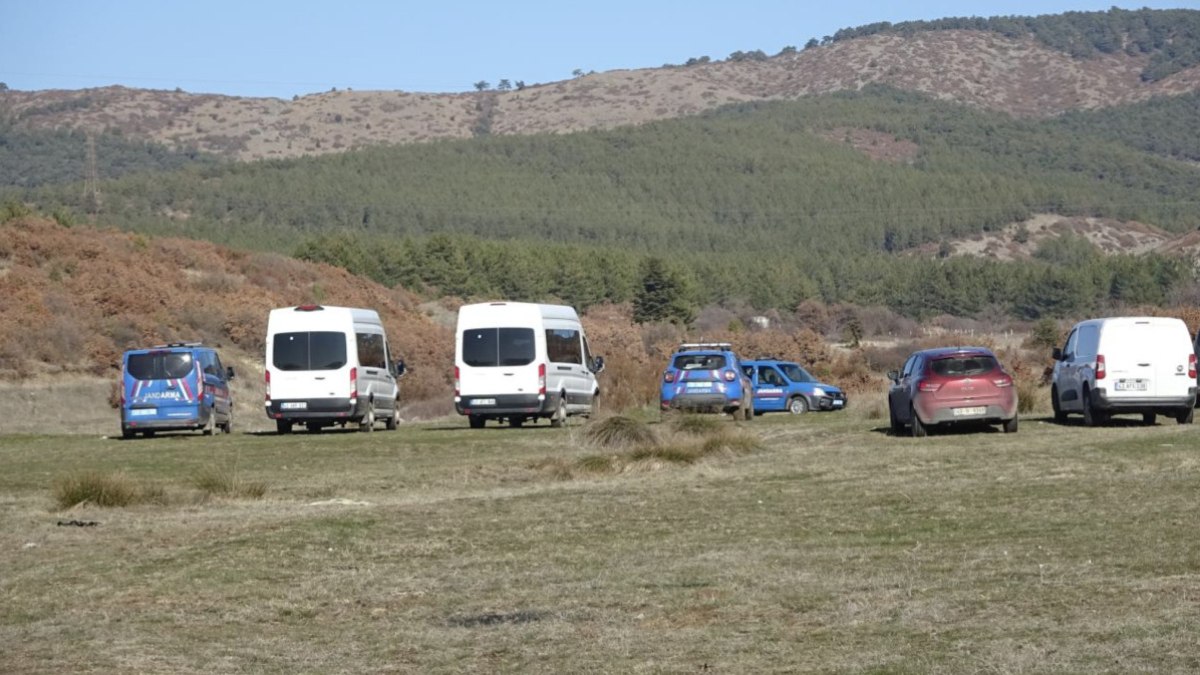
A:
(1018, 72)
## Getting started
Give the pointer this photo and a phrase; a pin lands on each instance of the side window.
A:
(1089, 342)
(1072, 343)
(768, 375)
(564, 346)
(371, 353)
(749, 371)
(908, 367)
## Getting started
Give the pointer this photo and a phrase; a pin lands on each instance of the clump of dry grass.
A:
(696, 425)
(619, 431)
(102, 489)
(224, 483)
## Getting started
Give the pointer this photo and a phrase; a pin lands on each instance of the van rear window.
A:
(314, 350)
(160, 366)
(699, 362)
(491, 347)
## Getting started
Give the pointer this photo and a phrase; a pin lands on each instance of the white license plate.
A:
(699, 385)
(970, 412)
(838, 403)
(1131, 385)
(483, 401)
(143, 412)
(293, 405)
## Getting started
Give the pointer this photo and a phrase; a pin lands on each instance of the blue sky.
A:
(278, 48)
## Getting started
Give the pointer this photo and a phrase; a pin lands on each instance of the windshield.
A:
(315, 350)
(159, 365)
(493, 347)
(795, 373)
(962, 366)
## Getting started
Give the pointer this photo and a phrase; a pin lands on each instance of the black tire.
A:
(1091, 417)
(516, 422)
(148, 434)
(394, 421)
(476, 421)
(559, 417)
(367, 423)
(127, 433)
(918, 429)
(1185, 415)
(313, 427)
(748, 411)
(1060, 415)
(798, 405)
(896, 427)
(210, 426)
(283, 427)
(228, 427)
(1010, 426)
(1149, 418)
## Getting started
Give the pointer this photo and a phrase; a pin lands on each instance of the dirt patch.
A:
(877, 145)
(1019, 241)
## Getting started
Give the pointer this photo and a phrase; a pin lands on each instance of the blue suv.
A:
(783, 386)
(707, 377)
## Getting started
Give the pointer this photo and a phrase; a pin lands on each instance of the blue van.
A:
(783, 386)
(180, 386)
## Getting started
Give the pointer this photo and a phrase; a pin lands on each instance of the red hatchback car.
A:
(951, 385)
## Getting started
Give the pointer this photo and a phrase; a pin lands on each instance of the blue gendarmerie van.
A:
(180, 386)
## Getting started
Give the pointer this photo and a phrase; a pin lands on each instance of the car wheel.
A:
(476, 421)
(367, 424)
(918, 429)
(283, 427)
(394, 420)
(211, 425)
(127, 433)
(228, 428)
(1149, 418)
(1090, 417)
(798, 405)
(896, 426)
(1010, 426)
(1060, 415)
(560, 413)
(1185, 415)
(516, 422)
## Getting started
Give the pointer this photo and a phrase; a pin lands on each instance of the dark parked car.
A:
(951, 385)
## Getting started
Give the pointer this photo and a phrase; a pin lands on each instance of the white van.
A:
(1119, 365)
(516, 361)
(329, 365)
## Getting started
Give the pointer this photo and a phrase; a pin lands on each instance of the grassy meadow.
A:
(784, 544)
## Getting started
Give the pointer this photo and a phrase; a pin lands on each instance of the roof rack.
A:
(178, 344)
(706, 345)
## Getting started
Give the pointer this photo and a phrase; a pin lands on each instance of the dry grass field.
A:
(816, 543)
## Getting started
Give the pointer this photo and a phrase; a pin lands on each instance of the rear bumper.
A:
(992, 414)
(196, 418)
(507, 405)
(700, 402)
(314, 409)
(1102, 401)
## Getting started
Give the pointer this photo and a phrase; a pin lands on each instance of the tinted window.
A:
(316, 350)
(563, 346)
(490, 347)
(699, 361)
(370, 350)
(796, 374)
(961, 366)
(160, 365)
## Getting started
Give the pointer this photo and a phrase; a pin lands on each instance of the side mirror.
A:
(598, 365)
(229, 372)
(893, 375)
(399, 369)
(1056, 354)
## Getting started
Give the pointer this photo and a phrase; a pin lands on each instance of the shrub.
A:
(214, 481)
(97, 489)
(697, 425)
(619, 431)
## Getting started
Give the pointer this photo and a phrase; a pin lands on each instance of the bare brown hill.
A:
(982, 69)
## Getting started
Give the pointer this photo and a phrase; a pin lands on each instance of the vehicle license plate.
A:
(837, 403)
(699, 385)
(293, 405)
(142, 412)
(970, 412)
(1131, 385)
(483, 401)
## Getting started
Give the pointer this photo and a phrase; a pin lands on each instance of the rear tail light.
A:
(729, 375)
(541, 379)
(668, 377)
(929, 386)
(457, 382)
(1101, 371)
(1192, 366)
(354, 385)
(267, 377)
(1003, 382)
